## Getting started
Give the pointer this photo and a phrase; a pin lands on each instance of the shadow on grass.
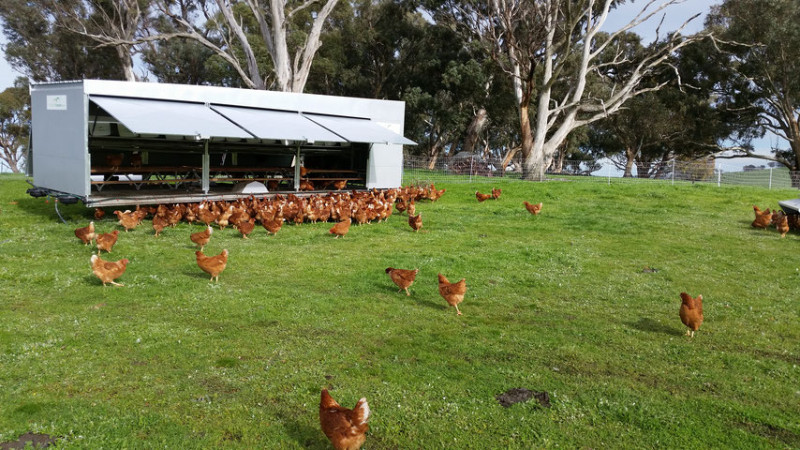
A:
(418, 295)
(439, 306)
(651, 326)
(303, 434)
(198, 274)
(92, 279)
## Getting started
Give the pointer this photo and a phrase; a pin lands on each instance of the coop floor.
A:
(132, 197)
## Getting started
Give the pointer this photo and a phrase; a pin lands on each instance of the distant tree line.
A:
(535, 82)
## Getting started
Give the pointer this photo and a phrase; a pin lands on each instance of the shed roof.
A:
(279, 125)
(359, 130)
(208, 120)
(169, 117)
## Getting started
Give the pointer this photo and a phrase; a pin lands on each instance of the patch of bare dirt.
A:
(35, 440)
(520, 395)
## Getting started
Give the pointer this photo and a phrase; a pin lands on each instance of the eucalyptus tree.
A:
(551, 49)
(388, 49)
(184, 61)
(679, 121)
(760, 60)
(115, 24)
(269, 43)
(15, 117)
(42, 45)
(658, 127)
(370, 50)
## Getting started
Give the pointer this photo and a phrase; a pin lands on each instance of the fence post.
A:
(719, 177)
(673, 172)
(770, 178)
(471, 158)
(608, 174)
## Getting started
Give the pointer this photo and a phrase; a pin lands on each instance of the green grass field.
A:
(559, 302)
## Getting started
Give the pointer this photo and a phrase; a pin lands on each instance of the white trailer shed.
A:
(110, 143)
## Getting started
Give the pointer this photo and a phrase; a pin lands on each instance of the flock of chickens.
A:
(343, 208)
(782, 222)
(346, 428)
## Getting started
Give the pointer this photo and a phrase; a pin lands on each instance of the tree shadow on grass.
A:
(652, 326)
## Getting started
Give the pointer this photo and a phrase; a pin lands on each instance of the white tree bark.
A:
(560, 39)
(117, 26)
(290, 66)
(193, 19)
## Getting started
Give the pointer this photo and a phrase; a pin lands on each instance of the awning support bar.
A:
(206, 169)
(297, 169)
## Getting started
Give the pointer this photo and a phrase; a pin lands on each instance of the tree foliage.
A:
(757, 71)
(269, 43)
(554, 52)
(42, 45)
(679, 120)
(390, 50)
(15, 117)
(499, 78)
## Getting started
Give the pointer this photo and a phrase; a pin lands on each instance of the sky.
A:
(674, 16)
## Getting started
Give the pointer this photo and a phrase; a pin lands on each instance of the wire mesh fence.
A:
(418, 170)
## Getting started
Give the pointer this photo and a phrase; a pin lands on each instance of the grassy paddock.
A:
(557, 302)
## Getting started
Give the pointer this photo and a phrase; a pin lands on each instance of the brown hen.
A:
(212, 265)
(246, 227)
(201, 238)
(108, 271)
(86, 234)
(273, 226)
(415, 222)
(159, 223)
(403, 278)
(346, 428)
(453, 293)
(127, 219)
(341, 228)
(533, 209)
(106, 241)
(412, 208)
(496, 193)
(763, 218)
(781, 222)
(691, 312)
(482, 197)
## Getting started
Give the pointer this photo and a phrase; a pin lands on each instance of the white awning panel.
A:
(278, 125)
(146, 116)
(360, 130)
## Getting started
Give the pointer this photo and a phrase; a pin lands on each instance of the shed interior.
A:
(123, 161)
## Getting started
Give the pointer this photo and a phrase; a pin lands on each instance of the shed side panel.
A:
(385, 167)
(60, 156)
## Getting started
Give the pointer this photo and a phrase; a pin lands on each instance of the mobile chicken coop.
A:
(112, 143)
